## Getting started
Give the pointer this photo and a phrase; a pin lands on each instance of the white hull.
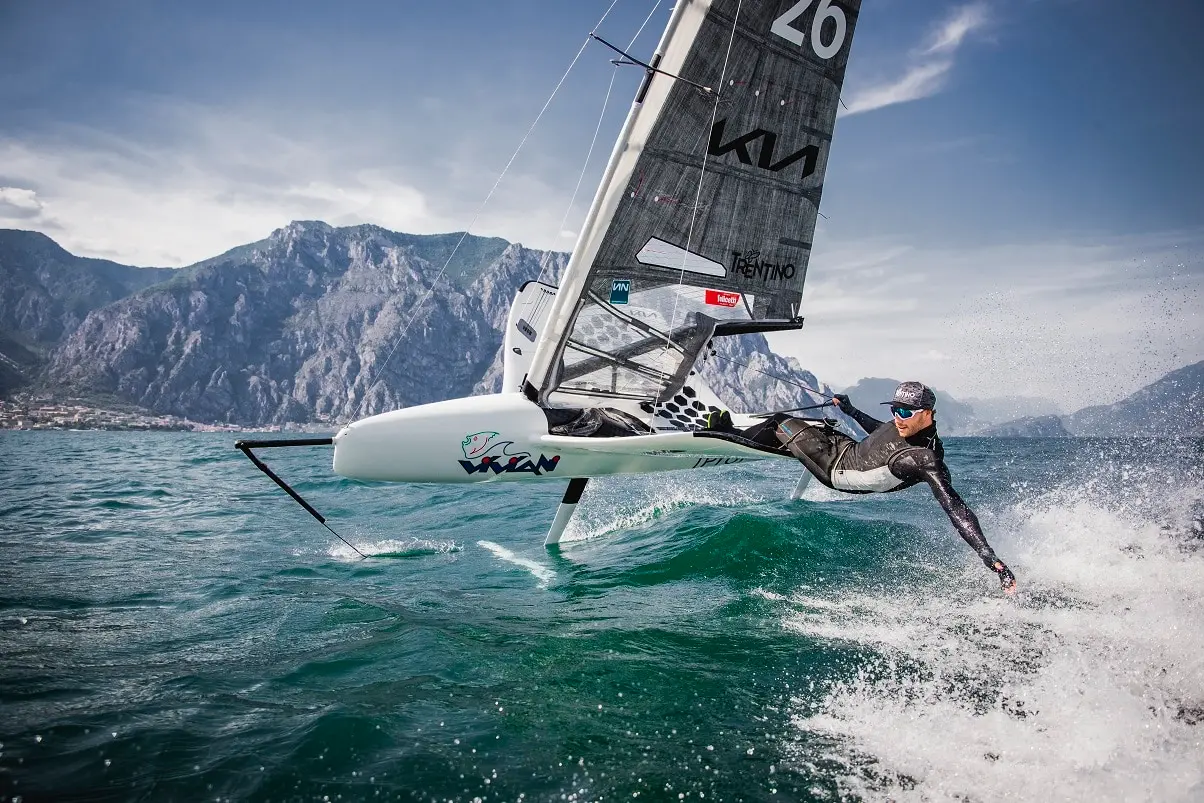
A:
(504, 438)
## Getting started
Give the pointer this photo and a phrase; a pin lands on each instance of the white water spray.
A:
(1089, 686)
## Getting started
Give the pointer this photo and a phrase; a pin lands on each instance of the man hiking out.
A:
(891, 458)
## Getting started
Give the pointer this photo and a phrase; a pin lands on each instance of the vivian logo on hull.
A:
(485, 454)
(722, 298)
(750, 265)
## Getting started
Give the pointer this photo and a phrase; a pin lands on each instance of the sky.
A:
(1013, 201)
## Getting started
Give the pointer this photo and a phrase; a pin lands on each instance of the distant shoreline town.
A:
(40, 412)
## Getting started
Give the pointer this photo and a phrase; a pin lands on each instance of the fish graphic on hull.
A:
(484, 444)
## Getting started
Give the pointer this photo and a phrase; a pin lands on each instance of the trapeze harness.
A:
(884, 462)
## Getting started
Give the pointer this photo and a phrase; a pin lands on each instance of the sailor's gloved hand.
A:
(843, 401)
(1007, 580)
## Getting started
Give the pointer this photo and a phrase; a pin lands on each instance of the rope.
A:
(783, 379)
(796, 410)
(698, 193)
(431, 289)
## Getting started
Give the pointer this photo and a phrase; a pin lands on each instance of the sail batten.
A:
(704, 219)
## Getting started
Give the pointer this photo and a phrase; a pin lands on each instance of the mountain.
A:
(953, 417)
(745, 373)
(313, 323)
(316, 323)
(18, 365)
(1169, 407)
(46, 292)
(1045, 426)
(1000, 409)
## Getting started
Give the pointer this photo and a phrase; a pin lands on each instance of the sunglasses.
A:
(903, 413)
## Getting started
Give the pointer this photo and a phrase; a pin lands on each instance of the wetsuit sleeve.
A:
(863, 420)
(923, 465)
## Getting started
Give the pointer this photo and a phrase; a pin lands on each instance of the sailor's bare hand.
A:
(1007, 580)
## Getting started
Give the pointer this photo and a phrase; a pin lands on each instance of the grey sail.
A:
(703, 223)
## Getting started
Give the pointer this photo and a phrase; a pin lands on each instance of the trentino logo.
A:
(620, 289)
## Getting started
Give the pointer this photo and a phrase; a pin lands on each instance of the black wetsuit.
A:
(885, 461)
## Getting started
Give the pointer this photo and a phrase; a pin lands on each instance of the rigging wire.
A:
(796, 409)
(545, 259)
(477, 214)
(698, 193)
(783, 379)
(633, 60)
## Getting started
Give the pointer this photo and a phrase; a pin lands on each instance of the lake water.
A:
(173, 627)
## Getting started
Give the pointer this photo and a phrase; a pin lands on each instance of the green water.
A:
(174, 628)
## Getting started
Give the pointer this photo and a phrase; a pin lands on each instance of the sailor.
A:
(891, 458)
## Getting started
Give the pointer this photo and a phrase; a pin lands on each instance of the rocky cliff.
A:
(321, 323)
(314, 323)
(46, 292)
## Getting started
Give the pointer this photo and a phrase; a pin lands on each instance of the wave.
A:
(393, 548)
(540, 572)
(619, 504)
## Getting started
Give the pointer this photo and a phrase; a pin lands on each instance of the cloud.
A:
(18, 204)
(947, 38)
(160, 207)
(930, 67)
(918, 82)
(196, 181)
(1079, 321)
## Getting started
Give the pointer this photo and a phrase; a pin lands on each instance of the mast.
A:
(687, 16)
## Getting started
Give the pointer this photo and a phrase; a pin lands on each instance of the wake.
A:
(622, 503)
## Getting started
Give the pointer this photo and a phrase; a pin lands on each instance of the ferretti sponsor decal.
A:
(485, 452)
(721, 298)
(620, 289)
(750, 265)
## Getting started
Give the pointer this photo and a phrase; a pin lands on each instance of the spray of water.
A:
(1089, 686)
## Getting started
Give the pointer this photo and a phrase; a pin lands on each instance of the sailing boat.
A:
(701, 228)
